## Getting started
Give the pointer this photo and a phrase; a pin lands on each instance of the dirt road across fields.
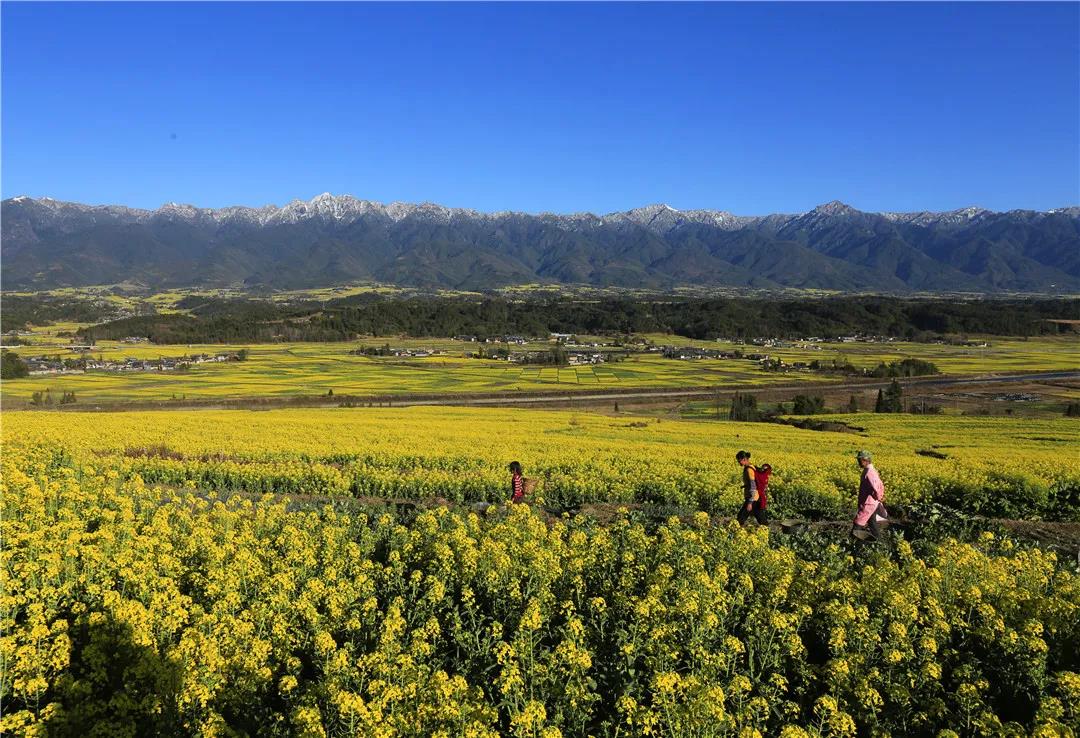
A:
(564, 398)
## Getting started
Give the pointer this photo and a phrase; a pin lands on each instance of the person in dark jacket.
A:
(517, 482)
(751, 498)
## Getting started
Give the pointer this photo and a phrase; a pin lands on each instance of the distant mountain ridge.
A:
(330, 240)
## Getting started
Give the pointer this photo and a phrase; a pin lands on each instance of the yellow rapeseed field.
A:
(152, 588)
(283, 370)
(132, 609)
(997, 466)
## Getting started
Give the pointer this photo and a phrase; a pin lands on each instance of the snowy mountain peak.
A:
(652, 211)
(835, 207)
(175, 208)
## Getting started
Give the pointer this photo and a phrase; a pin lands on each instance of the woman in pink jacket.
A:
(871, 497)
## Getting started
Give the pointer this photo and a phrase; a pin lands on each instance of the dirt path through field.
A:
(1062, 537)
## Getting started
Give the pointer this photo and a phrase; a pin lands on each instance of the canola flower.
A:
(995, 466)
(137, 608)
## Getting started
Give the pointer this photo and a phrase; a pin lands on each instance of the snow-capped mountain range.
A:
(333, 239)
(659, 218)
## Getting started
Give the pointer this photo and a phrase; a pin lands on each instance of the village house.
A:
(689, 353)
(577, 358)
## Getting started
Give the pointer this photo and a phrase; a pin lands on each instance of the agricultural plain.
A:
(312, 369)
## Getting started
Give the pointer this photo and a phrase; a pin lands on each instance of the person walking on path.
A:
(752, 502)
(871, 498)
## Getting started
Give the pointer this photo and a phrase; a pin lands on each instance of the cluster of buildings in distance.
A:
(42, 365)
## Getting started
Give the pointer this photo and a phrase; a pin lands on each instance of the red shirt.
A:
(517, 488)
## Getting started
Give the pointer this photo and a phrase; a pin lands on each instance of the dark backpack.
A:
(761, 476)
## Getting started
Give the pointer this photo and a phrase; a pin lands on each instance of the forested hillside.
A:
(224, 321)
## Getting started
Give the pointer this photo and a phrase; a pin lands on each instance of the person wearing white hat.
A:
(871, 498)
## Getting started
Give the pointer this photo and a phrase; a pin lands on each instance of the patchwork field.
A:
(283, 370)
(274, 370)
(999, 355)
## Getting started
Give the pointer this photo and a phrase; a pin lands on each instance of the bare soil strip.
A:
(542, 398)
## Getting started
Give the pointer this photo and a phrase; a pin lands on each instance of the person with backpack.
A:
(517, 482)
(520, 485)
(755, 481)
(871, 510)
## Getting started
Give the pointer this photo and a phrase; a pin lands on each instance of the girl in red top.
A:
(517, 482)
(752, 502)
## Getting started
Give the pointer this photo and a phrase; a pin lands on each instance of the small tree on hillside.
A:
(41, 399)
(853, 404)
(891, 399)
(744, 407)
(808, 405)
(12, 366)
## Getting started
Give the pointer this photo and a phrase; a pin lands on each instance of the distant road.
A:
(1008, 378)
(934, 381)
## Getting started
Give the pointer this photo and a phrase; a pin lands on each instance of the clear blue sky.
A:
(749, 108)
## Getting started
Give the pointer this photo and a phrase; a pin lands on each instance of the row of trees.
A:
(900, 368)
(744, 406)
(46, 399)
(905, 368)
(245, 321)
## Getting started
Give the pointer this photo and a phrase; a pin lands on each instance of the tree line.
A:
(251, 321)
(745, 407)
(19, 311)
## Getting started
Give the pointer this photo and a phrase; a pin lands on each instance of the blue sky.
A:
(748, 108)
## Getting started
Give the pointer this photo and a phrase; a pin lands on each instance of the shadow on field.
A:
(115, 685)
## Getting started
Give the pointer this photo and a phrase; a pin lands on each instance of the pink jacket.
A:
(871, 493)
